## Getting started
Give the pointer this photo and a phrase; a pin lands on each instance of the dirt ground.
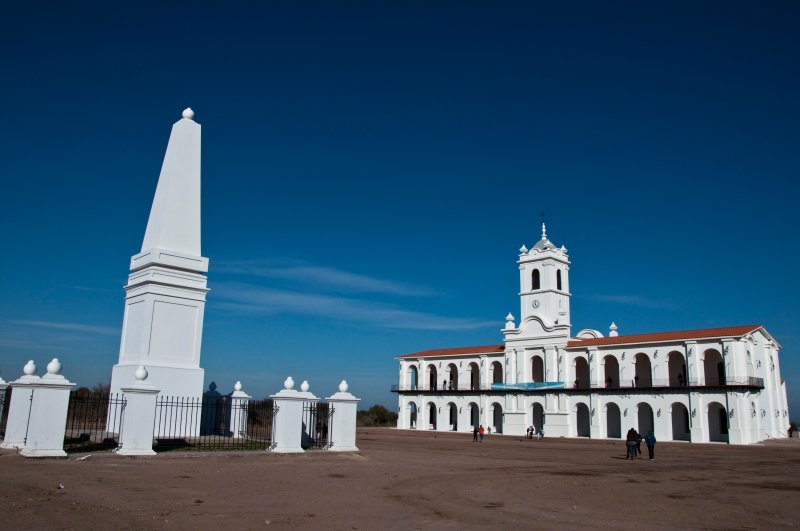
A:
(413, 480)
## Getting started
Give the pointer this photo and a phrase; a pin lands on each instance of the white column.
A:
(48, 415)
(289, 419)
(694, 363)
(20, 407)
(237, 419)
(136, 435)
(343, 430)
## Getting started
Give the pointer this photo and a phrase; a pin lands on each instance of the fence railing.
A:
(733, 381)
(94, 421)
(209, 424)
(5, 405)
(317, 421)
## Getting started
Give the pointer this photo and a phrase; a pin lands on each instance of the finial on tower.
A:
(188, 113)
(544, 231)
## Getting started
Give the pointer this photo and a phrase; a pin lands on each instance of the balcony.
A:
(749, 382)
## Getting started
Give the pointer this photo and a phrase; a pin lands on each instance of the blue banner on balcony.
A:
(528, 386)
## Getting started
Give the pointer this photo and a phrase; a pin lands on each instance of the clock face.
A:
(535, 303)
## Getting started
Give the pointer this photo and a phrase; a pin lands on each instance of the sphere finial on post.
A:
(188, 113)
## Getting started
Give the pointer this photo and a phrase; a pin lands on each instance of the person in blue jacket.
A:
(650, 441)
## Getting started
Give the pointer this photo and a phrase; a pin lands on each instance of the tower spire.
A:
(544, 229)
(174, 222)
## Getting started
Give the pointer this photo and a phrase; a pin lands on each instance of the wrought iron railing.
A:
(317, 422)
(5, 405)
(94, 421)
(734, 381)
(210, 424)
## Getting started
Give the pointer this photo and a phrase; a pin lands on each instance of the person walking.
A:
(489, 430)
(650, 441)
(541, 433)
(474, 434)
(638, 444)
(480, 432)
(630, 443)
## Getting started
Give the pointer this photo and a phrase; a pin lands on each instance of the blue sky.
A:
(371, 168)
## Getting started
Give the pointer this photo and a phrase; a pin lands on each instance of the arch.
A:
(610, 371)
(536, 280)
(645, 418)
(558, 279)
(412, 415)
(474, 376)
(582, 420)
(497, 418)
(677, 369)
(453, 416)
(680, 422)
(713, 367)
(643, 371)
(452, 377)
(413, 377)
(431, 416)
(613, 421)
(581, 373)
(431, 376)
(537, 369)
(537, 415)
(717, 422)
(474, 415)
(497, 372)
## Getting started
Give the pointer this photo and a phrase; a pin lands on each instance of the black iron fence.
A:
(317, 421)
(212, 424)
(94, 421)
(5, 405)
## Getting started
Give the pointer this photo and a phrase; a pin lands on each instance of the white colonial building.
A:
(710, 385)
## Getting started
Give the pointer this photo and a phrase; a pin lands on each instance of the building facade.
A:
(709, 385)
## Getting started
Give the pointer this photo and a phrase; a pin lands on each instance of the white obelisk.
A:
(166, 291)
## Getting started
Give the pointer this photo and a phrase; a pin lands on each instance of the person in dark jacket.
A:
(630, 443)
(475, 434)
(650, 441)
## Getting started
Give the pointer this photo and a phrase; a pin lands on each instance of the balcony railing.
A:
(672, 383)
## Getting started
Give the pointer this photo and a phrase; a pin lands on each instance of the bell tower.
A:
(544, 287)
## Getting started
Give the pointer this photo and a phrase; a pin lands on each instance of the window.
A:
(558, 279)
(535, 281)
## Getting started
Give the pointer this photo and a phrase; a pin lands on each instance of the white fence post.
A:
(136, 432)
(20, 407)
(343, 430)
(287, 437)
(237, 418)
(48, 415)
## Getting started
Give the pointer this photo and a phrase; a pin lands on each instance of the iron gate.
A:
(94, 421)
(317, 421)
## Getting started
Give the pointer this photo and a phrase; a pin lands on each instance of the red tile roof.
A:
(655, 337)
(680, 335)
(489, 349)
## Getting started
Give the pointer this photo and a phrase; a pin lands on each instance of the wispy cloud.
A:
(247, 298)
(331, 278)
(71, 327)
(635, 300)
